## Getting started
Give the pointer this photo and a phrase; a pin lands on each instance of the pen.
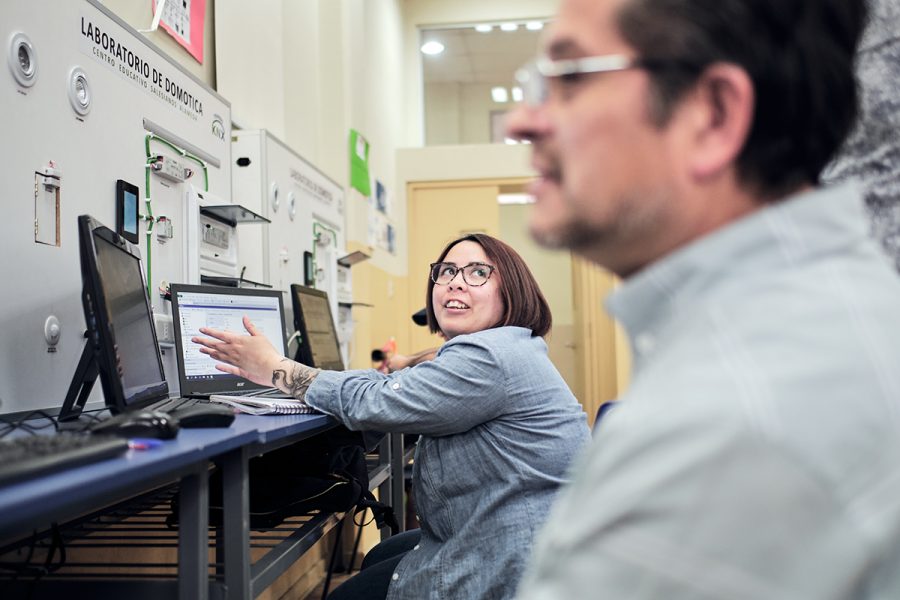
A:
(144, 444)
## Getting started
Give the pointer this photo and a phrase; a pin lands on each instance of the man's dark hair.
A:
(799, 55)
(523, 303)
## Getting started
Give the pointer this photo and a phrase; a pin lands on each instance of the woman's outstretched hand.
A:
(249, 356)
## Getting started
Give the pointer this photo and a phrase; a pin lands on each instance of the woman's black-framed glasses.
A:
(474, 274)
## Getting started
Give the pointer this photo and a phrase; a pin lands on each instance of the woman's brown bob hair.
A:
(523, 303)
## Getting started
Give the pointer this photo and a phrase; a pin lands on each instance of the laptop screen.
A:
(194, 307)
(319, 345)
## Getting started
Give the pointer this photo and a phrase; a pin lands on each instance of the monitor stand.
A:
(81, 385)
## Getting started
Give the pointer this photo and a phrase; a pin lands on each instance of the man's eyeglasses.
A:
(534, 78)
(474, 274)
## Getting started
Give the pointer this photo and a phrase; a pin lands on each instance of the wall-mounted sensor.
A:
(51, 333)
(274, 200)
(79, 91)
(22, 59)
(292, 205)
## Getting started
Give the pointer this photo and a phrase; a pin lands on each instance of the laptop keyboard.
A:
(171, 404)
(263, 393)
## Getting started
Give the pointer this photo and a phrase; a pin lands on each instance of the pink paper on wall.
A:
(184, 20)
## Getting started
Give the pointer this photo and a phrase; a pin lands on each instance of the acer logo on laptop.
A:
(240, 383)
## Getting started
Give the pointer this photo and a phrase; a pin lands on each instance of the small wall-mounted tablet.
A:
(309, 269)
(127, 211)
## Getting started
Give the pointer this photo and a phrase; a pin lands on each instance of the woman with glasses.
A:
(499, 427)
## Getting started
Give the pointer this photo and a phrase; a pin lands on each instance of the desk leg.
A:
(397, 487)
(384, 488)
(236, 524)
(193, 536)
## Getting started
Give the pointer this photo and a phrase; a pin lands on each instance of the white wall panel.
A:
(131, 83)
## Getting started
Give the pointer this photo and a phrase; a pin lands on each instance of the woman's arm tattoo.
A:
(294, 378)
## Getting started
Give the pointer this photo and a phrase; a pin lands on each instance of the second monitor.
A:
(318, 344)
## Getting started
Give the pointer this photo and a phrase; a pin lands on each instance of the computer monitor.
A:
(318, 344)
(121, 339)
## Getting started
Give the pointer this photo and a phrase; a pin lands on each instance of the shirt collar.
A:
(786, 232)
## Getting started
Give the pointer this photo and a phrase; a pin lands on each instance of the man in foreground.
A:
(757, 452)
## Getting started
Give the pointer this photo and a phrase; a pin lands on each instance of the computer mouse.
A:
(204, 415)
(142, 423)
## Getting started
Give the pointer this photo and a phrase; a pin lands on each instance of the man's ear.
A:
(723, 103)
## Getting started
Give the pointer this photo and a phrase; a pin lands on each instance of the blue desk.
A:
(67, 494)
(186, 459)
(272, 432)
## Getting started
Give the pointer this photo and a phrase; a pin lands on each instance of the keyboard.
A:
(25, 458)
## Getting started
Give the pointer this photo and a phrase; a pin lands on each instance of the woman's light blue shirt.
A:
(499, 429)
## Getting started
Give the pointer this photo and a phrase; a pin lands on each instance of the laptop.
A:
(196, 306)
(318, 344)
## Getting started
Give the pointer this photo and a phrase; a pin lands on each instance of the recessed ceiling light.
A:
(431, 48)
(509, 26)
(534, 25)
(499, 94)
(484, 28)
(517, 94)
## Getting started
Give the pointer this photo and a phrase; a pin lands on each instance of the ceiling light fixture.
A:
(499, 94)
(534, 25)
(517, 94)
(432, 48)
(509, 26)
(484, 28)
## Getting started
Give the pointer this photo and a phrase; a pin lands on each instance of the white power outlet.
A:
(165, 330)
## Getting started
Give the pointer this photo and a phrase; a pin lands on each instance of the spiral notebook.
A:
(254, 405)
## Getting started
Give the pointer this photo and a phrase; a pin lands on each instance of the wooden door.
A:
(439, 213)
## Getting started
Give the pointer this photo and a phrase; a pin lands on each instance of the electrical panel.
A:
(306, 210)
(89, 101)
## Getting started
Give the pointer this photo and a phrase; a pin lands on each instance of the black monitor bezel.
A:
(304, 351)
(206, 387)
(100, 330)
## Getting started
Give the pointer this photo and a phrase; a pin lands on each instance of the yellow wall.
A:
(381, 311)
(553, 272)
(438, 214)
